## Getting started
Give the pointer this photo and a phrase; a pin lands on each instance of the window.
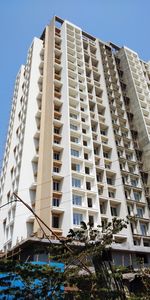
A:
(85, 155)
(77, 218)
(96, 151)
(106, 155)
(111, 194)
(109, 181)
(76, 182)
(74, 116)
(91, 220)
(129, 156)
(88, 185)
(84, 130)
(104, 223)
(100, 191)
(89, 201)
(74, 153)
(107, 166)
(56, 155)
(130, 210)
(142, 257)
(76, 167)
(87, 170)
(83, 120)
(103, 132)
(120, 153)
(84, 143)
(131, 169)
(56, 169)
(56, 130)
(77, 200)
(134, 182)
(56, 186)
(125, 180)
(55, 221)
(137, 196)
(127, 194)
(132, 227)
(143, 229)
(73, 127)
(56, 202)
(99, 177)
(140, 212)
(74, 139)
(56, 141)
(102, 208)
(113, 211)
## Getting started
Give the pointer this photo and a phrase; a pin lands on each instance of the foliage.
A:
(35, 281)
(90, 249)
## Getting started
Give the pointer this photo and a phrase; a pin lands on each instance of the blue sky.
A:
(125, 22)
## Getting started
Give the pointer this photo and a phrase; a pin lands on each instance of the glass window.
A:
(74, 116)
(84, 130)
(113, 211)
(84, 143)
(56, 201)
(77, 218)
(143, 229)
(76, 200)
(56, 169)
(87, 170)
(74, 139)
(56, 155)
(88, 185)
(102, 208)
(111, 194)
(91, 220)
(89, 200)
(56, 186)
(134, 182)
(76, 182)
(74, 127)
(56, 130)
(106, 155)
(137, 196)
(85, 155)
(140, 212)
(74, 153)
(55, 221)
(76, 167)
(109, 181)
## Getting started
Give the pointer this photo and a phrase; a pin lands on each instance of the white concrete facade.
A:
(96, 175)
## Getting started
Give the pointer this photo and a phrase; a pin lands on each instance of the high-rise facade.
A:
(78, 143)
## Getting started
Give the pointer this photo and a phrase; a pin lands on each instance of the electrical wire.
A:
(100, 196)
(82, 174)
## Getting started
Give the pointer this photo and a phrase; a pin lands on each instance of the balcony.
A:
(57, 115)
(57, 32)
(57, 95)
(57, 61)
(57, 77)
(57, 46)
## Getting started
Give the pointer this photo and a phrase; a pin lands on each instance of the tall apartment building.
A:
(78, 143)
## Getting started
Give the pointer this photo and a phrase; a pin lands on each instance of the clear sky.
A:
(124, 22)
